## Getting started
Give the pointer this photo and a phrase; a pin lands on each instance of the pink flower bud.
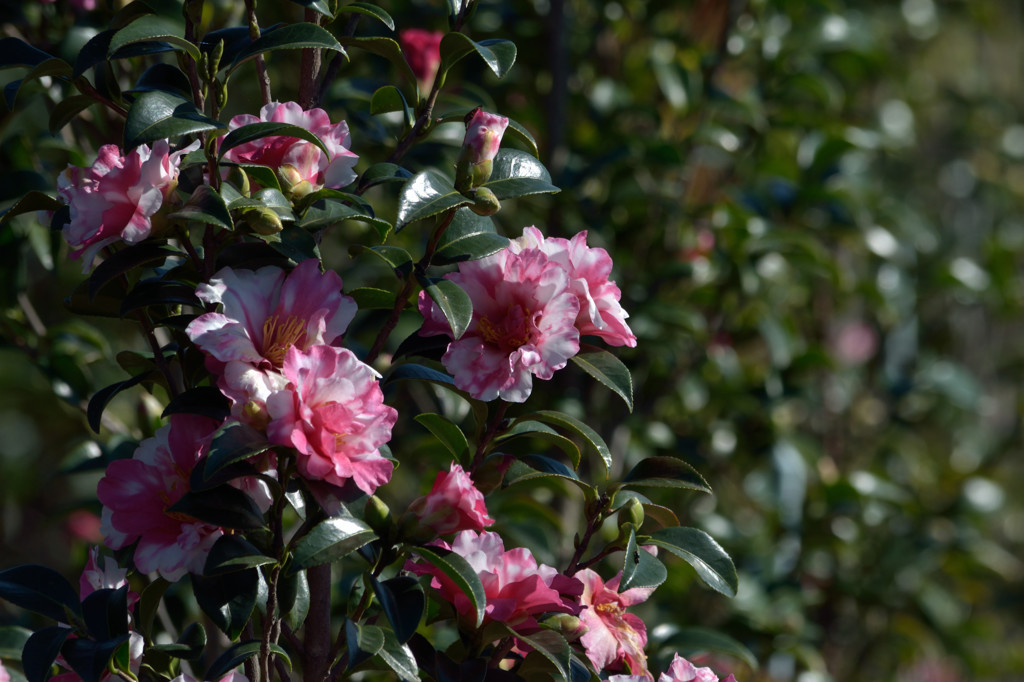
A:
(422, 50)
(479, 147)
(453, 504)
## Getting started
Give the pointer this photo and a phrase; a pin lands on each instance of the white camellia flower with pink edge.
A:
(614, 638)
(522, 326)
(332, 412)
(453, 504)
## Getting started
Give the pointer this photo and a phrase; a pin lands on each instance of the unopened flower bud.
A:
(293, 184)
(632, 512)
(491, 472)
(378, 515)
(255, 414)
(485, 203)
(240, 179)
(263, 220)
(479, 147)
(570, 627)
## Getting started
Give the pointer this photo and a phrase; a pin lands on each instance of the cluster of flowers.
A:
(272, 342)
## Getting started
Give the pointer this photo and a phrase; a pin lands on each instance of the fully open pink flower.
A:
(136, 494)
(422, 49)
(264, 313)
(522, 326)
(681, 670)
(614, 638)
(332, 411)
(517, 588)
(600, 314)
(302, 165)
(117, 197)
(453, 504)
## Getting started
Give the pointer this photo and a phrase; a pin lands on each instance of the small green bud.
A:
(378, 515)
(632, 512)
(485, 203)
(263, 220)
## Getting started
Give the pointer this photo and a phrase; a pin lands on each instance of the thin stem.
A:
(492, 431)
(311, 62)
(593, 524)
(317, 628)
(193, 8)
(419, 127)
(261, 64)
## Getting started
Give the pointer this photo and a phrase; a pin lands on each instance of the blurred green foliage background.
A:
(814, 207)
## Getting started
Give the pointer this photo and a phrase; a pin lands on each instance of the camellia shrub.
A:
(250, 531)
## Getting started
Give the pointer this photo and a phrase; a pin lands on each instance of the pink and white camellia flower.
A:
(264, 313)
(523, 324)
(302, 166)
(518, 589)
(332, 412)
(422, 50)
(136, 494)
(614, 638)
(453, 504)
(681, 670)
(600, 314)
(4, 675)
(117, 198)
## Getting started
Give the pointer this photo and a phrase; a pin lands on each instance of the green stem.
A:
(492, 431)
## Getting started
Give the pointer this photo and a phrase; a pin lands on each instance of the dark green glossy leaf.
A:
(534, 429)
(31, 202)
(231, 553)
(639, 568)
(16, 52)
(157, 292)
(396, 258)
(205, 400)
(51, 68)
(320, 6)
(468, 237)
(224, 506)
(458, 570)
(693, 641)
(239, 654)
(388, 98)
(403, 602)
(67, 109)
(189, 645)
(369, 298)
(89, 658)
(41, 650)
(399, 658)
(326, 213)
(579, 428)
(149, 602)
(552, 646)
(12, 641)
(296, 243)
(608, 370)
(363, 642)
(166, 78)
(100, 399)
(665, 472)
(290, 37)
(382, 172)
(105, 613)
(531, 467)
(158, 115)
(228, 599)
(329, 541)
(127, 259)
(383, 47)
(499, 55)
(701, 551)
(454, 302)
(449, 434)
(517, 174)
(413, 371)
(427, 194)
(257, 131)
(293, 597)
(152, 27)
(206, 206)
(369, 10)
(41, 590)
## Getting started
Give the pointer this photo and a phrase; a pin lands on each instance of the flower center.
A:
(609, 609)
(510, 332)
(279, 336)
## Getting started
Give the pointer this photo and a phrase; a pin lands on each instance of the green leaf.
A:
(552, 646)
(293, 597)
(12, 641)
(665, 472)
(517, 174)
(531, 467)
(228, 599)
(329, 541)
(30, 203)
(403, 602)
(239, 654)
(89, 658)
(540, 431)
(166, 78)
(295, 243)
(370, 11)
(692, 641)
(149, 602)
(579, 428)
(468, 237)
(41, 651)
(66, 109)
(289, 37)
(204, 400)
(16, 52)
(370, 298)
(701, 551)
(453, 301)
(105, 613)
(383, 47)
(53, 68)
(382, 172)
(152, 27)
(326, 213)
(427, 194)
(127, 259)
(396, 258)
(449, 434)
(231, 553)
(458, 570)
(608, 370)
(189, 646)
(224, 506)
(320, 6)
(41, 590)
(363, 641)
(258, 131)
(206, 206)
(639, 568)
(100, 399)
(155, 292)
(414, 371)
(399, 658)
(388, 98)
(159, 115)
(499, 55)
